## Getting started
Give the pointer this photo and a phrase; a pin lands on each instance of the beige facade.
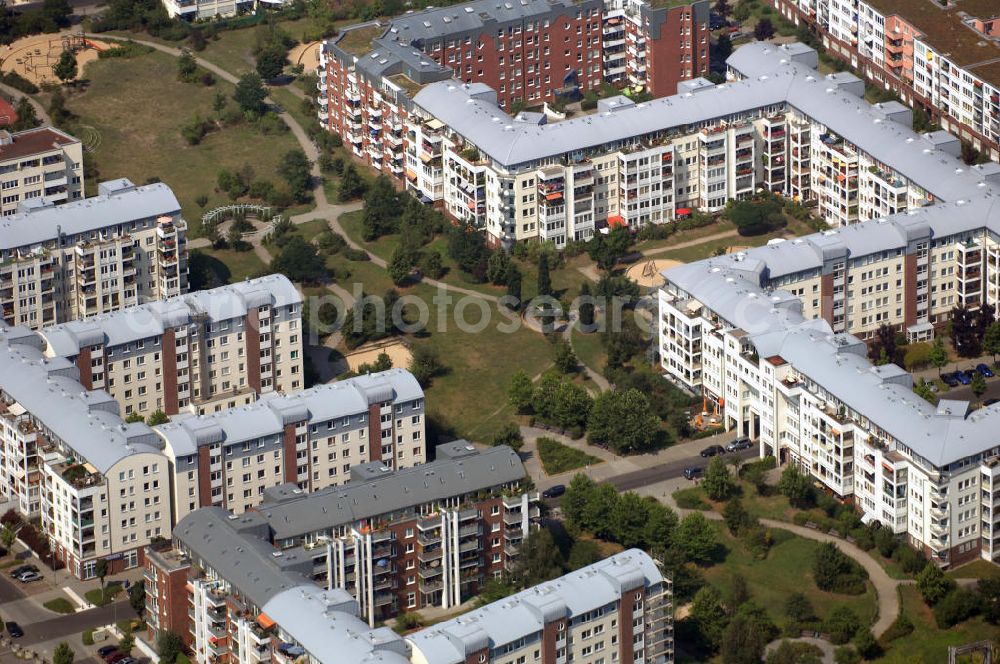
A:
(121, 248)
(39, 164)
(198, 353)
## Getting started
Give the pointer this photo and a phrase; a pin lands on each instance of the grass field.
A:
(137, 106)
(235, 265)
(558, 458)
(589, 349)
(59, 605)
(787, 569)
(927, 643)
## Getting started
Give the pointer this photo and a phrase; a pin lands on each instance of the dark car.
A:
(128, 660)
(23, 569)
(964, 377)
(104, 651)
(111, 654)
(115, 658)
(692, 473)
(950, 379)
(743, 443)
(716, 22)
(554, 491)
(712, 450)
(984, 370)
(14, 630)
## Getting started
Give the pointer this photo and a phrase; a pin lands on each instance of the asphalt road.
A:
(9, 590)
(666, 471)
(74, 623)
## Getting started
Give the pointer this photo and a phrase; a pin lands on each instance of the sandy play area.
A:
(306, 55)
(646, 272)
(397, 352)
(33, 57)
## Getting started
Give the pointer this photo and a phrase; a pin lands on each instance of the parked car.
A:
(14, 630)
(116, 658)
(128, 660)
(28, 577)
(712, 450)
(554, 491)
(692, 473)
(950, 379)
(104, 651)
(984, 370)
(18, 571)
(743, 443)
(964, 377)
(111, 653)
(715, 22)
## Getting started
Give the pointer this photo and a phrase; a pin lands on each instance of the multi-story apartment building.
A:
(529, 52)
(617, 610)
(229, 583)
(940, 57)
(777, 125)
(123, 247)
(767, 336)
(206, 10)
(195, 353)
(312, 438)
(43, 163)
(100, 486)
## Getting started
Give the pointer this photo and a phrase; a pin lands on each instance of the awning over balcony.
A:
(264, 621)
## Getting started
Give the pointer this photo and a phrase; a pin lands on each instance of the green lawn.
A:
(589, 349)
(691, 498)
(60, 605)
(720, 226)
(97, 597)
(558, 458)
(927, 643)
(787, 569)
(137, 106)
(233, 266)
(977, 569)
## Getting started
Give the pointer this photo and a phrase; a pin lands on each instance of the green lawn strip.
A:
(787, 569)
(589, 349)
(691, 498)
(928, 643)
(88, 637)
(236, 265)
(137, 106)
(558, 458)
(689, 235)
(708, 249)
(60, 605)
(97, 597)
(977, 569)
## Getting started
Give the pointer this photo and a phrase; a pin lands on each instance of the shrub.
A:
(18, 82)
(835, 572)
(409, 620)
(841, 624)
(691, 499)
(900, 627)
(955, 607)
(357, 255)
(909, 559)
(933, 584)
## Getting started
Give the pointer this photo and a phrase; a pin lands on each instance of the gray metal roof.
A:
(87, 422)
(775, 80)
(325, 624)
(297, 514)
(151, 319)
(268, 416)
(120, 203)
(525, 613)
(235, 548)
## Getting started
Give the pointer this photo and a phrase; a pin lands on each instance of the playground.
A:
(646, 273)
(34, 57)
(397, 351)
(306, 55)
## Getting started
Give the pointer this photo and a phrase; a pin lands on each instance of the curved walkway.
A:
(690, 243)
(15, 95)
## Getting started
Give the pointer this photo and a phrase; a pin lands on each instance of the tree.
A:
(137, 598)
(834, 571)
(623, 421)
(866, 643)
(521, 391)
(933, 584)
(27, 118)
(736, 516)
(709, 614)
(271, 62)
(101, 569)
(939, 356)
(168, 646)
(583, 553)
(565, 359)
(723, 48)
(576, 500)
(430, 264)
(187, 67)
(607, 250)
(295, 169)
(841, 624)
(250, 94)
(957, 606)
(299, 260)
(884, 349)
(544, 279)
(126, 643)
(351, 186)
(789, 652)
(586, 307)
(989, 598)
(696, 538)
(991, 340)
(739, 593)
(65, 69)
(794, 485)
(425, 365)
(509, 435)
(978, 384)
(799, 610)
(538, 561)
(747, 634)
(965, 336)
(8, 533)
(757, 216)
(514, 287)
(400, 266)
(63, 654)
(721, 7)
(847, 655)
(718, 483)
(497, 267)
(764, 29)
(157, 417)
